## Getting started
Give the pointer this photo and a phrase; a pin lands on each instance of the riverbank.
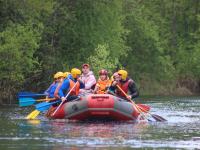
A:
(148, 87)
(180, 87)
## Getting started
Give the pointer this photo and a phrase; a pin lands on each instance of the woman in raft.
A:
(103, 82)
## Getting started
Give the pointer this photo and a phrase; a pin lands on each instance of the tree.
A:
(18, 45)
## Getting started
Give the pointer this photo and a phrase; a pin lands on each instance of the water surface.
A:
(181, 131)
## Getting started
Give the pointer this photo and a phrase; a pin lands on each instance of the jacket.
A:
(67, 85)
(102, 86)
(88, 80)
(128, 86)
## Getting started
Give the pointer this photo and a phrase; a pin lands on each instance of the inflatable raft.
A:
(98, 107)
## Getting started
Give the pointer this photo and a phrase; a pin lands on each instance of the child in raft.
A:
(103, 83)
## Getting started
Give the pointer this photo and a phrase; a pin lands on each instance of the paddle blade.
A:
(158, 118)
(45, 105)
(25, 93)
(29, 94)
(33, 114)
(26, 101)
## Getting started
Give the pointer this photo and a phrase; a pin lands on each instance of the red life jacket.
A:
(124, 87)
(76, 89)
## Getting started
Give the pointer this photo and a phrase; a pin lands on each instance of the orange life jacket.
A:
(76, 89)
(124, 87)
(102, 86)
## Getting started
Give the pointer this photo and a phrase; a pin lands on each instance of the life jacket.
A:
(124, 87)
(76, 89)
(102, 85)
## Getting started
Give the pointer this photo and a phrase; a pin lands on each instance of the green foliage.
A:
(18, 44)
(148, 49)
(164, 41)
(157, 41)
(102, 59)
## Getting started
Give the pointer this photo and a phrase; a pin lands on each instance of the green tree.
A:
(18, 45)
(102, 60)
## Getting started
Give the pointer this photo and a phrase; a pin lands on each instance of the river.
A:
(181, 131)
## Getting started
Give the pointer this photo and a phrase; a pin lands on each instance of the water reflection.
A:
(181, 131)
(101, 130)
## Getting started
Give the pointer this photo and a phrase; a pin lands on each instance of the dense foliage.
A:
(157, 41)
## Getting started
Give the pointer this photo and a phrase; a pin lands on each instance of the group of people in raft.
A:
(64, 82)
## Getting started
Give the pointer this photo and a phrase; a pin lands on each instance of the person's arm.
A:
(133, 89)
(96, 88)
(56, 94)
(112, 87)
(48, 90)
(82, 85)
(90, 82)
(65, 86)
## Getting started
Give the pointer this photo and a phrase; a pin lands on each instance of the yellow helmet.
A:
(66, 74)
(75, 72)
(123, 74)
(58, 75)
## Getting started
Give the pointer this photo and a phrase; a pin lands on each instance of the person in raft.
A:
(58, 78)
(87, 78)
(67, 74)
(68, 84)
(103, 83)
(126, 84)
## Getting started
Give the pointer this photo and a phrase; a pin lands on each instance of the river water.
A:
(181, 131)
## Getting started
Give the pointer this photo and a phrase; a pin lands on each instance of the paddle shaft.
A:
(137, 108)
(47, 99)
(31, 95)
(65, 98)
(141, 105)
(140, 109)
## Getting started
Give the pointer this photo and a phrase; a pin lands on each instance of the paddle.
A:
(145, 107)
(41, 107)
(140, 109)
(156, 117)
(29, 94)
(27, 101)
(65, 99)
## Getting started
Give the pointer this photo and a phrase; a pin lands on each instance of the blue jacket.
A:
(66, 86)
(70, 77)
(50, 91)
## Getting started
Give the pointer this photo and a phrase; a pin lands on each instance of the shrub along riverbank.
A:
(157, 41)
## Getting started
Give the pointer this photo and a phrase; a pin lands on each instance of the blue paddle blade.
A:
(29, 94)
(26, 101)
(25, 92)
(45, 105)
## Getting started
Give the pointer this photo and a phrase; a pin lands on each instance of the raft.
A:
(98, 107)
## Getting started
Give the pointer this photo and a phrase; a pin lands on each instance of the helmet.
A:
(85, 65)
(58, 75)
(103, 72)
(75, 72)
(123, 73)
(66, 74)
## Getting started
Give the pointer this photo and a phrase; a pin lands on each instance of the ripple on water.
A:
(181, 131)
(114, 142)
